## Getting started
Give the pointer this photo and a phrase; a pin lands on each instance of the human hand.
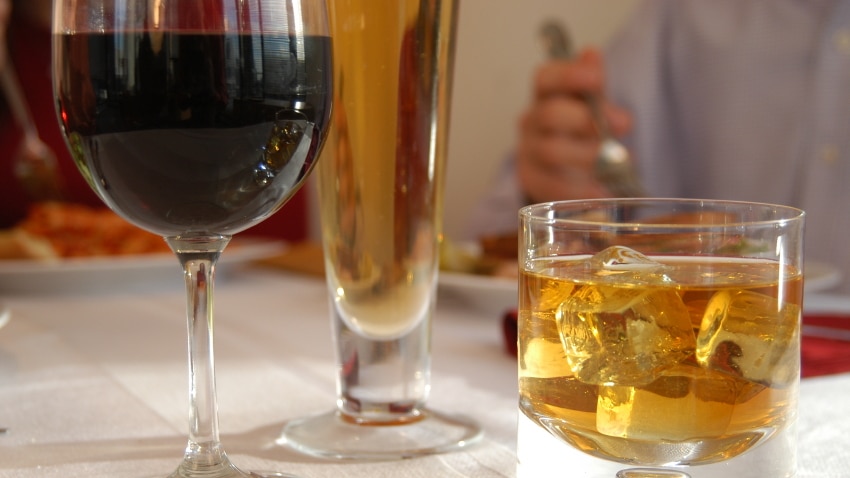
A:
(558, 142)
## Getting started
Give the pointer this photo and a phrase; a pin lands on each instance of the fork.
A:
(35, 165)
(613, 166)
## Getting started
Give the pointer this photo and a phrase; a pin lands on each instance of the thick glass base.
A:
(225, 469)
(331, 435)
(541, 455)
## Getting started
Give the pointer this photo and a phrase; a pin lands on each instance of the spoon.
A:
(34, 163)
(4, 317)
(613, 165)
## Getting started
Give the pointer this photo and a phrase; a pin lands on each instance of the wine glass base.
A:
(235, 473)
(264, 474)
(330, 436)
(225, 470)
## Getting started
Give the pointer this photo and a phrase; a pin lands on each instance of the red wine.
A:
(186, 133)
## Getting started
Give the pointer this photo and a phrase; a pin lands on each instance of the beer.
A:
(381, 180)
(659, 360)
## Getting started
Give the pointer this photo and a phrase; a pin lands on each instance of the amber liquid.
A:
(693, 362)
(381, 180)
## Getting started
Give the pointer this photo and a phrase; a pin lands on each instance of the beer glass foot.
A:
(651, 473)
(330, 436)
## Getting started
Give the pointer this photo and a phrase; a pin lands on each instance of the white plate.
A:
(129, 273)
(495, 295)
(820, 276)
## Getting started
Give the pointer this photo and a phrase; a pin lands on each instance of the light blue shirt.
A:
(733, 99)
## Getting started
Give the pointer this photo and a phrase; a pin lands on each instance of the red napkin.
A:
(510, 331)
(822, 355)
(819, 355)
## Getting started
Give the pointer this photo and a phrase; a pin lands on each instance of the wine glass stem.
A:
(199, 255)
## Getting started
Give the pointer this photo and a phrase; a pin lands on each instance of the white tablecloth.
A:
(95, 384)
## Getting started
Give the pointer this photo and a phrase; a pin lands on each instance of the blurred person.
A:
(728, 99)
(26, 34)
(25, 27)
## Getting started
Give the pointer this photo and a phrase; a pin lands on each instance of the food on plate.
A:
(19, 244)
(54, 230)
(490, 257)
(503, 246)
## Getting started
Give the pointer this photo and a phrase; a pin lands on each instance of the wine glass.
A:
(380, 193)
(194, 120)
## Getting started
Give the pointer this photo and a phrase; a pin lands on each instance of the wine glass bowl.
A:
(201, 128)
(194, 120)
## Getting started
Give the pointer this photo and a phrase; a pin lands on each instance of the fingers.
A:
(579, 78)
(572, 115)
(559, 138)
(557, 151)
(553, 166)
(581, 75)
(547, 156)
(543, 183)
(559, 116)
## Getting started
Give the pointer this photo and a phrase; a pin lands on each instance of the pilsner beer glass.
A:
(659, 338)
(380, 194)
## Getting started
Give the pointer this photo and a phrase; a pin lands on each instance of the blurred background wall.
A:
(496, 54)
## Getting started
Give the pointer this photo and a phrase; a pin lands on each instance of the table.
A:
(95, 384)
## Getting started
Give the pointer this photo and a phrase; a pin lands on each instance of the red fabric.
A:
(819, 356)
(823, 356)
(510, 332)
(290, 223)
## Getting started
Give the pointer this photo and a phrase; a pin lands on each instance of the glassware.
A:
(380, 193)
(659, 338)
(194, 120)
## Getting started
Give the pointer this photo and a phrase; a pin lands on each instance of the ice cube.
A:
(750, 335)
(685, 402)
(623, 260)
(622, 334)
(542, 358)
(705, 384)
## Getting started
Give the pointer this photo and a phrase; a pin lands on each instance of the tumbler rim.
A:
(543, 213)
